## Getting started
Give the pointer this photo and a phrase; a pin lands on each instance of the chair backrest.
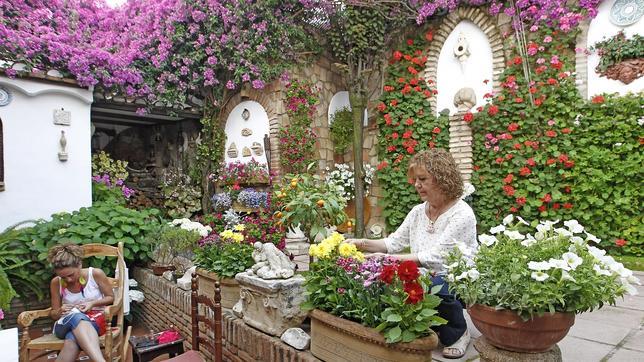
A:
(211, 308)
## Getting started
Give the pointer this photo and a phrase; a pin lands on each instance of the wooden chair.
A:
(212, 324)
(113, 345)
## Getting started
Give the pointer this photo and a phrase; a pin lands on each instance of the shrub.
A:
(341, 130)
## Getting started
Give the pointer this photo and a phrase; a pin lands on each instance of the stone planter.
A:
(229, 287)
(272, 306)
(506, 330)
(337, 339)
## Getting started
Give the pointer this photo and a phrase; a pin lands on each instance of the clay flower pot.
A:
(506, 330)
(159, 269)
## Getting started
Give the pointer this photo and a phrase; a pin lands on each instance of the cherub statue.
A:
(271, 263)
(462, 48)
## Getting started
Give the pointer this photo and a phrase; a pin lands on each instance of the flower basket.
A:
(229, 287)
(506, 330)
(337, 339)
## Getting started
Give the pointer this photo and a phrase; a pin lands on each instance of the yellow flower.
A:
(325, 250)
(314, 250)
(238, 237)
(226, 234)
(347, 250)
(239, 227)
(335, 239)
(359, 256)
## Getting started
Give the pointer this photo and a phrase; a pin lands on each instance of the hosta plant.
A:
(539, 268)
(378, 292)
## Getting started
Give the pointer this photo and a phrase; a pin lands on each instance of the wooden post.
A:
(194, 311)
(218, 327)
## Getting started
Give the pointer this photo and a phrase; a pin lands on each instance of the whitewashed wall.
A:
(601, 27)
(452, 75)
(341, 100)
(257, 123)
(37, 183)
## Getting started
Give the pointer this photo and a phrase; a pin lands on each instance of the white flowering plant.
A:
(342, 178)
(538, 268)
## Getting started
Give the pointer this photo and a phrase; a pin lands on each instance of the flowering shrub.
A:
(253, 199)
(406, 125)
(543, 270)
(238, 173)
(187, 224)
(297, 140)
(342, 178)
(104, 190)
(381, 293)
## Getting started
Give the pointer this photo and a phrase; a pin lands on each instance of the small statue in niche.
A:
(247, 132)
(271, 263)
(232, 150)
(465, 99)
(246, 152)
(62, 155)
(257, 148)
(462, 48)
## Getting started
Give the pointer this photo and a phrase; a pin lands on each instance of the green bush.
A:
(341, 130)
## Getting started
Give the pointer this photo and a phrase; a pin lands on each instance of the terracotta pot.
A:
(336, 339)
(351, 213)
(229, 287)
(506, 330)
(160, 269)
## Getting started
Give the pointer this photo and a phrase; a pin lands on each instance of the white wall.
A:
(257, 122)
(341, 100)
(601, 27)
(452, 76)
(37, 184)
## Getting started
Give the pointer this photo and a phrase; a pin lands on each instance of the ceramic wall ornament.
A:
(246, 152)
(257, 148)
(62, 155)
(465, 99)
(62, 117)
(462, 48)
(5, 96)
(232, 150)
(245, 114)
(626, 12)
(246, 132)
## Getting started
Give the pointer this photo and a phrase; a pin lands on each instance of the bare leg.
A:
(69, 353)
(88, 340)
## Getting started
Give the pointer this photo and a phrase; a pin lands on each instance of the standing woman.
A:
(430, 230)
(74, 292)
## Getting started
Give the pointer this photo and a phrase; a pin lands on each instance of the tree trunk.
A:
(358, 102)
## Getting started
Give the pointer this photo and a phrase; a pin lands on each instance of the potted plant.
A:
(620, 58)
(178, 236)
(374, 306)
(528, 281)
(342, 178)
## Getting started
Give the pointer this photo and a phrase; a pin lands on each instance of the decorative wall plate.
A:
(626, 12)
(5, 96)
(247, 132)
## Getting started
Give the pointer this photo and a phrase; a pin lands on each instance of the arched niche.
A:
(244, 117)
(1, 158)
(341, 100)
(472, 71)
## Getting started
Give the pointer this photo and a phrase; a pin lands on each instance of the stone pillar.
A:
(460, 144)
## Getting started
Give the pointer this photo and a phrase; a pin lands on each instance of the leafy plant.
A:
(173, 240)
(394, 298)
(226, 253)
(341, 130)
(617, 48)
(311, 202)
(103, 164)
(542, 270)
(181, 197)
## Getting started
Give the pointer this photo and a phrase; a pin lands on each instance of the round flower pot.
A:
(506, 330)
(340, 340)
(351, 213)
(229, 287)
(159, 269)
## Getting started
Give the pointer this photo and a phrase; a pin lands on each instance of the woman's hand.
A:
(85, 307)
(65, 308)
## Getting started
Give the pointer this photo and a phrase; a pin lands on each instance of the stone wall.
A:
(30, 302)
(166, 305)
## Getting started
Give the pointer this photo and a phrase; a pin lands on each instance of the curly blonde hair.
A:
(65, 255)
(441, 165)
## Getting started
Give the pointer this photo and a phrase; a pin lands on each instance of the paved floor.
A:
(613, 333)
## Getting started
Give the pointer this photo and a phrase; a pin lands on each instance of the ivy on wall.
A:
(406, 126)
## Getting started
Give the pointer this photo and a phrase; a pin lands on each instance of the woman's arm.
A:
(105, 287)
(57, 308)
(369, 245)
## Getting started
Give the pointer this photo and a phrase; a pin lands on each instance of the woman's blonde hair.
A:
(441, 165)
(65, 255)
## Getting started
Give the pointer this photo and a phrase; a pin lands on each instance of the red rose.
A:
(414, 292)
(408, 271)
(620, 242)
(493, 110)
(468, 117)
(597, 99)
(387, 274)
(513, 127)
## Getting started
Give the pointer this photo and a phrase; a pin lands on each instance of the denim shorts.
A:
(65, 325)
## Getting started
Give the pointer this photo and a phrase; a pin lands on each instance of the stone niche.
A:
(245, 128)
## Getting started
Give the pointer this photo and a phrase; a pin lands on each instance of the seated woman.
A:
(442, 222)
(74, 292)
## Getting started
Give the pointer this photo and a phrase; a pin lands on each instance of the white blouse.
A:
(456, 227)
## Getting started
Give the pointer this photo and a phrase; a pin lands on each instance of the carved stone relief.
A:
(257, 148)
(232, 150)
(246, 132)
(246, 152)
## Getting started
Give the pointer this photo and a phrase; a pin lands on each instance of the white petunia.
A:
(539, 235)
(521, 220)
(452, 266)
(539, 276)
(450, 278)
(487, 240)
(634, 280)
(596, 252)
(574, 226)
(599, 270)
(529, 241)
(591, 237)
(563, 232)
(463, 275)
(566, 276)
(572, 259)
(473, 274)
(539, 265)
(513, 234)
(631, 290)
(508, 219)
(559, 264)
(543, 228)
(576, 240)
(497, 229)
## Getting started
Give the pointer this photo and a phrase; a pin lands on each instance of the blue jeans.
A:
(450, 309)
(63, 328)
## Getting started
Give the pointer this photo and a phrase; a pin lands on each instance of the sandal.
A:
(457, 350)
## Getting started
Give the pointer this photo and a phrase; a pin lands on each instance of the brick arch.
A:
(1, 158)
(460, 143)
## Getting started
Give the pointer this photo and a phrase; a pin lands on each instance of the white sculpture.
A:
(464, 99)
(271, 263)
(462, 48)
(186, 280)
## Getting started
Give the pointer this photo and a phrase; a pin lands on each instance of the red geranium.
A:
(551, 133)
(524, 171)
(508, 179)
(620, 242)
(436, 130)
(409, 121)
(513, 127)
(468, 117)
(397, 55)
(408, 271)
(493, 110)
(521, 200)
(509, 190)
(387, 274)
(429, 35)
(567, 205)
(597, 99)
(381, 107)
(414, 292)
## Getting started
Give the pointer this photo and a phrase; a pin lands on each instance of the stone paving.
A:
(613, 333)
